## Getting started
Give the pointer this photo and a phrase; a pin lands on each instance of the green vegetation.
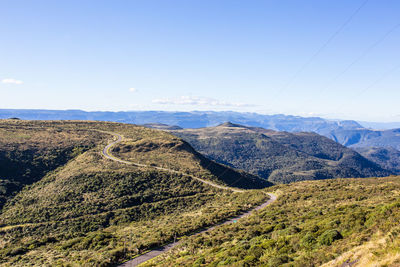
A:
(311, 223)
(92, 211)
(387, 157)
(280, 157)
(64, 204)
(29, 151)
(175, 154)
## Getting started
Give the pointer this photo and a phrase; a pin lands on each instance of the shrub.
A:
(329, 236)
(280, 226)
(308, 240)
(278, 261)
(200, 261)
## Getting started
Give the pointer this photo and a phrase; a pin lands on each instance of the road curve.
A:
(155, 252)
(106, 153)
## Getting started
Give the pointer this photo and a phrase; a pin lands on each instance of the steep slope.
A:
(279, 156)
(385, 138)
(93, 211)
(388, 158)
(29, 151)
(366, 137)
(336, 222)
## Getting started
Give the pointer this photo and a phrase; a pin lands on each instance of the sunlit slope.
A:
(28, 150)
(311, 223)
(93, 210)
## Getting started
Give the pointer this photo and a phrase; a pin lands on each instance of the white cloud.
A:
(198, 101)
(132, 89)
(11, 81)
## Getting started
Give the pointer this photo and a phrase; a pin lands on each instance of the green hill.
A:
(85, 209)
(30, 150)
(280, 157)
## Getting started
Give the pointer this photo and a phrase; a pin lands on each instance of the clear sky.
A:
(335, 59)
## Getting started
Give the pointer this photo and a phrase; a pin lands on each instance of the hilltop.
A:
(71, 205)
(280, 157)
(31, 150)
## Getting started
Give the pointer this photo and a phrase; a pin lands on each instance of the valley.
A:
(280, 157)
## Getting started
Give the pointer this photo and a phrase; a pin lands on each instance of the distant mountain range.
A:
(380, 125)
(346, 132)
(194, 119)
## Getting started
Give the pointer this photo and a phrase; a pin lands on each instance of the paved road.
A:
(158, 251)
(155, 252)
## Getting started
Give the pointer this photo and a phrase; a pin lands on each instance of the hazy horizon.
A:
(367, 124)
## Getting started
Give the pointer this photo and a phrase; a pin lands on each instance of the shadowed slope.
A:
(279, 156)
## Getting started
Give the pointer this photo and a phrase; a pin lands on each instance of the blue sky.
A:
(335, 59)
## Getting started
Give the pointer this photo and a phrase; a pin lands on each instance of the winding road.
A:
(155, 252)
(106, 153)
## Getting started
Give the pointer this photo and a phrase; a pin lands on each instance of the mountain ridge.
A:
(280, 157)
(346, 132)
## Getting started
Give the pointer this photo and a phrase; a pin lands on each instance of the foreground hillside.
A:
(280, 157)
(89, 210)
(340, 222)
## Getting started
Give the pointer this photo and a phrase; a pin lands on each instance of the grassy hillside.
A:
(279, 156)
(92, 211)
(313, 222)
(30, 150)
(176, 154)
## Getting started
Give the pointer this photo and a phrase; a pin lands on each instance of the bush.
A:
(308, 240)
(17, 251)
(329, 236)
(280, 226)
(278, 261)
(250, 259)
(117, 254)
(200, 261)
